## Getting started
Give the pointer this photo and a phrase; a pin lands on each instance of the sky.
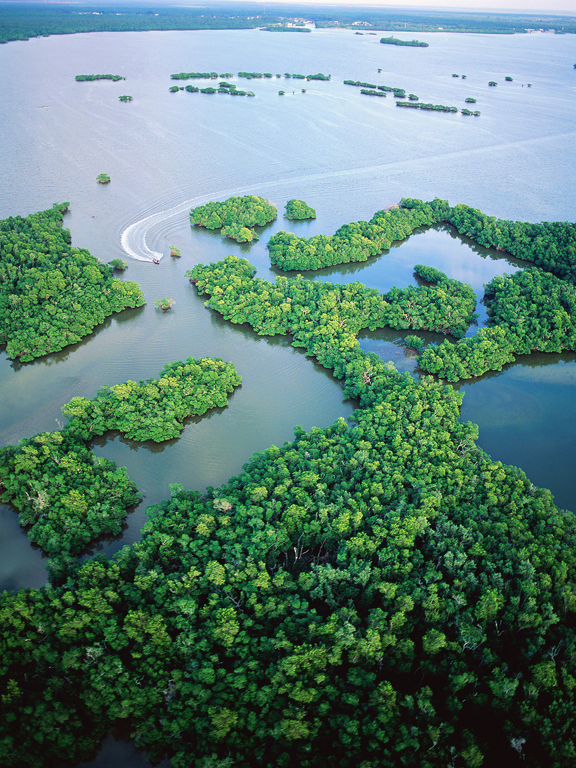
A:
(545, 7)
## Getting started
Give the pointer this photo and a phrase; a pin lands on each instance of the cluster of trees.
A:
(284, 28)
(51, 294)
(236, 217)
(476, 112)
(422, 105)
(530, 311)
(367, 595)
(396, 41)
(154, 409)
(99, 77)
(395, 91)
(23, 21)
(372, 92)
(298, 209)
(351, 242)
(231, 90)
(125, 98)
(358, 83)
(260, 75)
(315, 312)
(551, 245)
(198, 76)
(67, 496)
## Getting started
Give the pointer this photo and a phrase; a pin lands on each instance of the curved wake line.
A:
(133, 238)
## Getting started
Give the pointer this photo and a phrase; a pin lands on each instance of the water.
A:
(347, 155)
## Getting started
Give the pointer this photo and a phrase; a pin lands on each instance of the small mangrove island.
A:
(396, 41)
(115, 78)
(296, 210)
(236, 217)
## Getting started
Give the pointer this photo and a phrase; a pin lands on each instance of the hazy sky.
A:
(529, 6)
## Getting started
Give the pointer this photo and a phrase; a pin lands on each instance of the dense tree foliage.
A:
(236, 217)
(426, 106)
(351, 242)
(154, 409)
(52, 295)
(195, 75)
(20, 21)
(396, 41)
(551, 245)
(530, 311)
(319, 313)
(374, 595)
(284, 28)
(64, 493)
(372, 92)
(298, 209)
(81, 78)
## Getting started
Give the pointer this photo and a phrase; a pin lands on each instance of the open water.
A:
(347, 155)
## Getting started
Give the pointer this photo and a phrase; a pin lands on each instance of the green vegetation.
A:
(23, 21)
(470, 100)
(381, 592)
(174, 251)
(154, 409)
(359, 84)
(118, 264)
(164, 304)
(103, 178)
(492, 82)
(444, 306)
(115, 78)
(396, 41)
(125, 98)
(236, 217)
(530, 311)
(281, 93)
(52, 295)
(465, 111)
(509, 79)
(318, 76)
(424, 106)
(66, 496)
(283, 28)
(351, 242)
(196, 75)
(298, 209)
(371, 92)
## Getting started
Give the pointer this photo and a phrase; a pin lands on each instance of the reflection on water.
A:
(527, 417)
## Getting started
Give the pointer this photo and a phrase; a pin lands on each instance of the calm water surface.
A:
(347, 155)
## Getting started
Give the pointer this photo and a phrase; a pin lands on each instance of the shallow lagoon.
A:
(345, 154)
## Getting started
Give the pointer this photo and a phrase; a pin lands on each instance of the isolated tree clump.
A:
(298, 209)
(234, 215)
